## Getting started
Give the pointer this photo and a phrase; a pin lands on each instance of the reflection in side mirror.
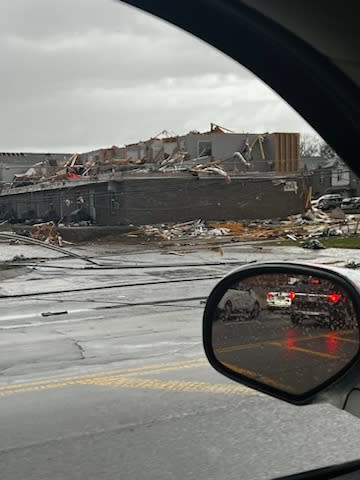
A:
(287, 331)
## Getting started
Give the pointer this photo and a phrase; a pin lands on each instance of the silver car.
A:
(239, 303)
(352, 203)
(326, 202)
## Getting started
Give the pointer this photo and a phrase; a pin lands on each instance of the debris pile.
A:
(211, 168)
(319, 224)
(196, 228)
(255, 230)
(46, 232)
(174, 163)
(313, 244)
(178, 163)
(307, 227)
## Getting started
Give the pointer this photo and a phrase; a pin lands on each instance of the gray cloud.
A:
(78, 74)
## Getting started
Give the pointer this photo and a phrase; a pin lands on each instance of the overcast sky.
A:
(82, 74)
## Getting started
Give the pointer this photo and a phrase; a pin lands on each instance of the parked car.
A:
(239, 303)
(352, 203)
(326, 202)
(331, 309)
(278, 300)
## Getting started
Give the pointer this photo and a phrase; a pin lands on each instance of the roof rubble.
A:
(165, 153)
(195, 228)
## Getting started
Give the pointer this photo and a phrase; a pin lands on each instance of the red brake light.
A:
(334, 297)
(315, 281)
(269, 295)
(291, 295)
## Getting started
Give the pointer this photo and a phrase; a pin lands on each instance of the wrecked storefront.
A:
(217, 174)
(155, 199)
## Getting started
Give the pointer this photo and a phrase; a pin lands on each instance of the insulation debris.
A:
(46, 232)
(211, 168)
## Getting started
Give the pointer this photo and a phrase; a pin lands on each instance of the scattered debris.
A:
(171, 252)
(313, 224)
(19, 258)
(195, 228)
(46, 232)
(335, 232)
(50, 314)
(313, 244)
(353, 265)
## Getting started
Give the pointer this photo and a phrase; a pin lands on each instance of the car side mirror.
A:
(298, 337)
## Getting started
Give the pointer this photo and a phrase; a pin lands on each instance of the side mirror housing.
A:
(295, 338)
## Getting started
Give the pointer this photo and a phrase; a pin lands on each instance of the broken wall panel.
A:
(287, 152)
(278, 152)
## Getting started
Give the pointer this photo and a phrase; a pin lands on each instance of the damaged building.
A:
(212, 175)
(17, 165)
(266, 152)
(153, 199)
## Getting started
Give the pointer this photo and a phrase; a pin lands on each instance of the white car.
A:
(279, 299)
(325, 202)
(239, 303)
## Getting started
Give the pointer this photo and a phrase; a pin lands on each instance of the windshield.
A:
(138, 166)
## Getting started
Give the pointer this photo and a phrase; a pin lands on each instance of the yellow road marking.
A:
(306, 350)
(260, 378)
(154, 368)
(170, 385)
(244, 346)
(346, 340)
(121, 378)
(146, 383)
(34, 388)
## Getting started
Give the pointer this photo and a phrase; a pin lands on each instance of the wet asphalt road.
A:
(110, 380)
(291, 358)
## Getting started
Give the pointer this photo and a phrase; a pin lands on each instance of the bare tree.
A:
(326, 151)
(314, 146)
(309, 145)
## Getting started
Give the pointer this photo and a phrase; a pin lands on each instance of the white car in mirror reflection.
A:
(239, 303)
(278, 300)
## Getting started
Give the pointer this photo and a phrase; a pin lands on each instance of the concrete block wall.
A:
(161, 200)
